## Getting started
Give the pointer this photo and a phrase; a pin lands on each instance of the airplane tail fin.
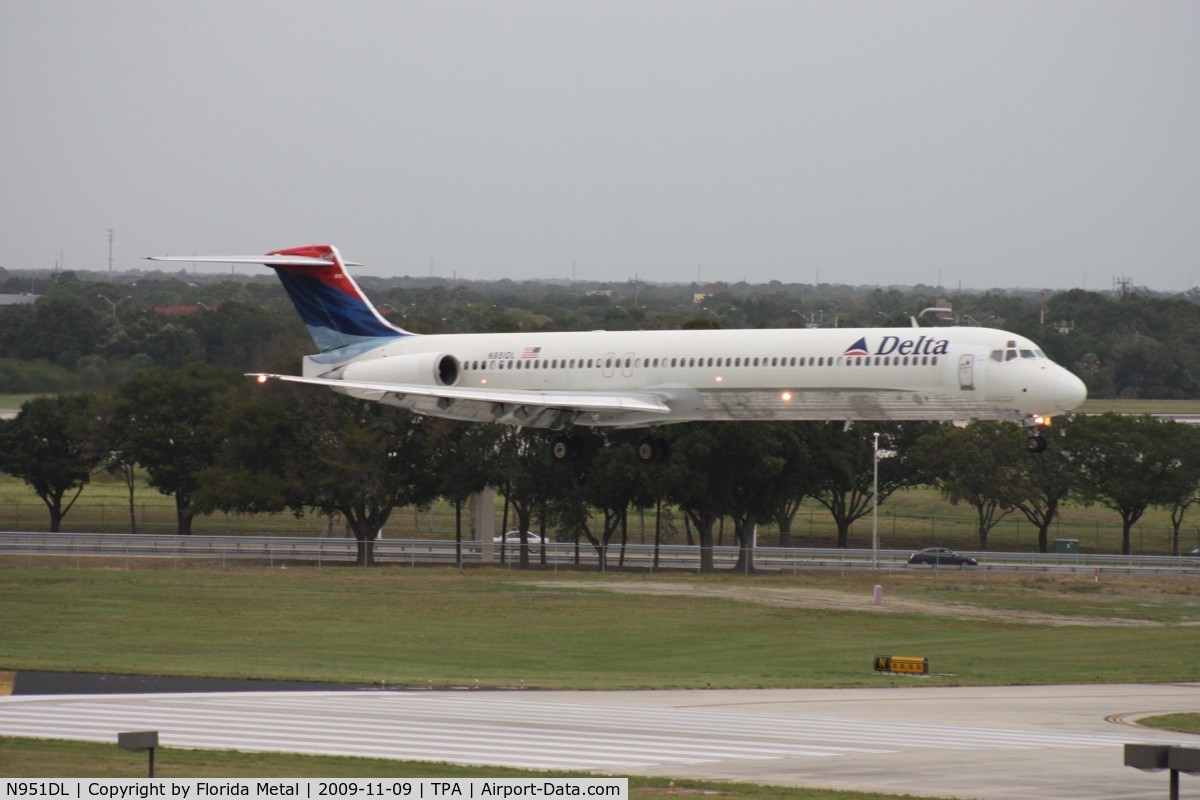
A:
(334, 309)
(331, 304)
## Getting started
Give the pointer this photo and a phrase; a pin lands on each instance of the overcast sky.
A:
(1006, 143)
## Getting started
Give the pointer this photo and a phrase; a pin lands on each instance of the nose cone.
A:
(1069, 392)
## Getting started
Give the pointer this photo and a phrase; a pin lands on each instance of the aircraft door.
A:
(966, 372)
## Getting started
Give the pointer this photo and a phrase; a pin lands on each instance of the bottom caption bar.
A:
(419, 788)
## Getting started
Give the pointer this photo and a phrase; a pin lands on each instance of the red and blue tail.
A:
(331, 304)
(335, 310)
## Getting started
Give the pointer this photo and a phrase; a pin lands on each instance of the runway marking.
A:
(495, 730)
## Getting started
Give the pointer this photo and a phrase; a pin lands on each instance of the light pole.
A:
(113, 304)
(875, 502)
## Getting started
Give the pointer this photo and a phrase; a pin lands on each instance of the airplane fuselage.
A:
(795, 374)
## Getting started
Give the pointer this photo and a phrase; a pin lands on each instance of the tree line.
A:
(215, 441)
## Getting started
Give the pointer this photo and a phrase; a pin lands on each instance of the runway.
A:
(996, 743)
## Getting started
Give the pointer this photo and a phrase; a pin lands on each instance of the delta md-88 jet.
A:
(636, 379)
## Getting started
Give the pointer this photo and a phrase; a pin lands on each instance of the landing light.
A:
(787, 397)
(262, 379)
(719, 379)
(1041, 421)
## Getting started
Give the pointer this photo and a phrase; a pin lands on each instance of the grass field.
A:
(570, 630)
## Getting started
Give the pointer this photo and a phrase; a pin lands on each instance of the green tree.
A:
(163, 419)
(797, 478)
(608, 478)
(697, 479)
(49, 448)
(1046, 481)
(1181, 487)
(845, 487)
(1123, 462)
(289, 447)
(525, 474)
(464, 451)
(758, 483)
(981, 465)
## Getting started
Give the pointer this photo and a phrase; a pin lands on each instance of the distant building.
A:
(18, 299)
(175, 311)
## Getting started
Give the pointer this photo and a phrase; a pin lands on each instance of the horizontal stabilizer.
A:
(267, 261)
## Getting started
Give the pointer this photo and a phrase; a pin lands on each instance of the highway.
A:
(224, 550)
(993, 743)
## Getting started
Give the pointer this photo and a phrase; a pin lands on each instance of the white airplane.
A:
(635, 379)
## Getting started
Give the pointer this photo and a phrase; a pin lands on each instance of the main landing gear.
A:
(566, 449)
(653, 451)
(1036, 444)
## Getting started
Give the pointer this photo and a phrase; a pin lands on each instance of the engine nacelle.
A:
(423, 369)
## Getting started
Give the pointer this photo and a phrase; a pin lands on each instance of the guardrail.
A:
(320, 550)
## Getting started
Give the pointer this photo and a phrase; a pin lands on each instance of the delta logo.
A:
(889, 345)
(859, 348)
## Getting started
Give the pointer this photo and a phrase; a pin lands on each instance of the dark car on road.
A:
(940, 556)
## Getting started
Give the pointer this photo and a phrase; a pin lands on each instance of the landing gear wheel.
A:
(565, 449)
(1036, 444)
(652, 451)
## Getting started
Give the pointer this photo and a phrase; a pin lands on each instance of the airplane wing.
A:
(496, 404)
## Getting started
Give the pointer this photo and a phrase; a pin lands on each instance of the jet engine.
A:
(422, 369)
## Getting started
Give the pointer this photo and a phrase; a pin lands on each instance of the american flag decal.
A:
(531, 352)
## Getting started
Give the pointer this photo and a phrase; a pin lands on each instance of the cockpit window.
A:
(1012, 353)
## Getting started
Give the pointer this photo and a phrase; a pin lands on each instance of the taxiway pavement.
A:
(993, 743)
